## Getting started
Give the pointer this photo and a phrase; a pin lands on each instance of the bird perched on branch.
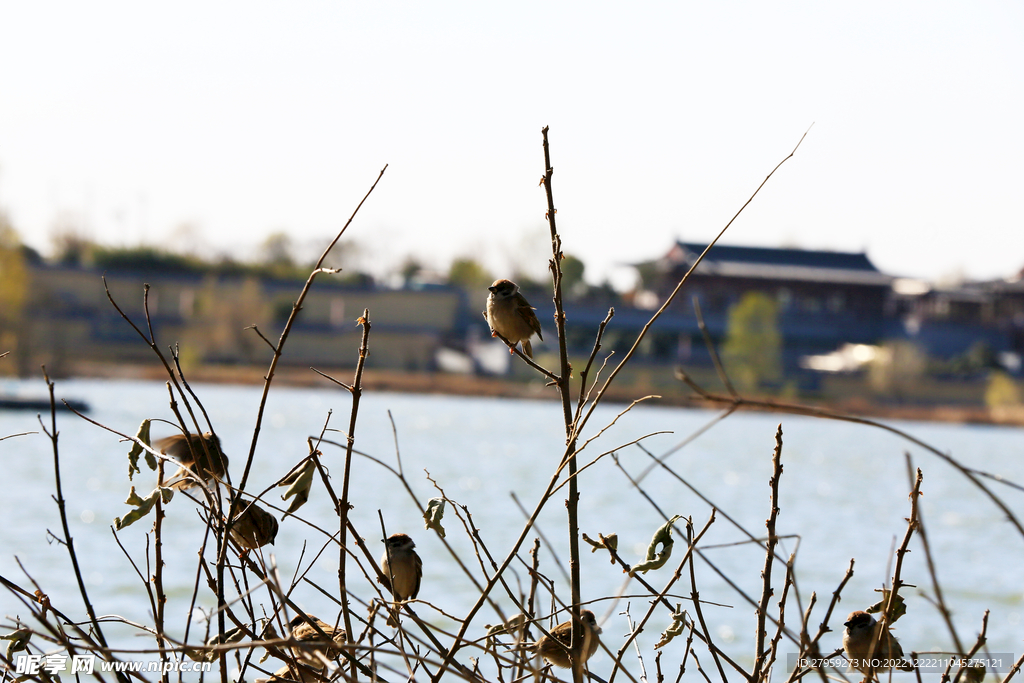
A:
(311, 653)
(302, 631)
(253, 527)
(511, 315)
(860, 642)
(207, 462)
(556, 648)
(403, 568)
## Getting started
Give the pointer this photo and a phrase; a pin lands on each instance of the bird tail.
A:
(527, 348)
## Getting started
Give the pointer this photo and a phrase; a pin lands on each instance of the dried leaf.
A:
(299, 482)
(899, 608)
(19, 641)
(655, 559)
(137, 450)
(675, 629)
(142, 505)
(434, 513)
(511, 626)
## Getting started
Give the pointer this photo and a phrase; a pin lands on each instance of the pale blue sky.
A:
(246, 118)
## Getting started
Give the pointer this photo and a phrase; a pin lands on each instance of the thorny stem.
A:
(982, 638)
(897, 580)
(69, 542)
(811, 648)
(760, 672)
(565, 372)
(357, 391)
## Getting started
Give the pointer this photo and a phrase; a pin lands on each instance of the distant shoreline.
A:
(469, 385)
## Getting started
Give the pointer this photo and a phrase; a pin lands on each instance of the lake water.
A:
(844, 491)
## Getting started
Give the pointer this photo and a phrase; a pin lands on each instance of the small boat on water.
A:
(41, 404)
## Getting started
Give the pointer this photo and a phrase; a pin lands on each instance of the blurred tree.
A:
(143, 259)
(752, 352)
(71, 243)
(468, 274)
(897, 368)
(1001, 391)
(410, 268)
(572, 277)
(13, 293)
(276, 252)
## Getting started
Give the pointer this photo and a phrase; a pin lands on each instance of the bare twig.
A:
(760, 671)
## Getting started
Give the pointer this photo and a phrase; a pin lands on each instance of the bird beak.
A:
(491, 290)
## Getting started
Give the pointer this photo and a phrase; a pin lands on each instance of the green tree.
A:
(409, 269)
(71, 244)
(572, 276)
(897, 368)
(13, 293)
(1001, 391)
(276, 253)
(753, 344)
(468, 274)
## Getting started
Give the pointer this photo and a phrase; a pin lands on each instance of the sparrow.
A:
(860, 642)
(558, 652)
(510, 314)
(403, 568)
(194, 459)
(253, 527)
(308, 663)
(301, 630)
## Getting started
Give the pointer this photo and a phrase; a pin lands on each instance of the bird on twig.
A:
(555, 648)
(511, 315)
(207, 462)
(860, 642)
(403, 569)
(311, 654)
(253, 527)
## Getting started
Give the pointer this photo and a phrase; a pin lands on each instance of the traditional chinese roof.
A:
(777, 264)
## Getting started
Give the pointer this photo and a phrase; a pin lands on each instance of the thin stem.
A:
(760, 653)
(343, 506)
(565, 371)
(69, 542)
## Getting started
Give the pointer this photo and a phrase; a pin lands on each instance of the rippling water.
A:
(844, 492)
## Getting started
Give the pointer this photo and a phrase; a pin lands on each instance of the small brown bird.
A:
(860, 642)
(308, 656)
(253, 527)
(510, 314)
(301, 630)
(558, 652)
(194, 459)
(403, 567)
